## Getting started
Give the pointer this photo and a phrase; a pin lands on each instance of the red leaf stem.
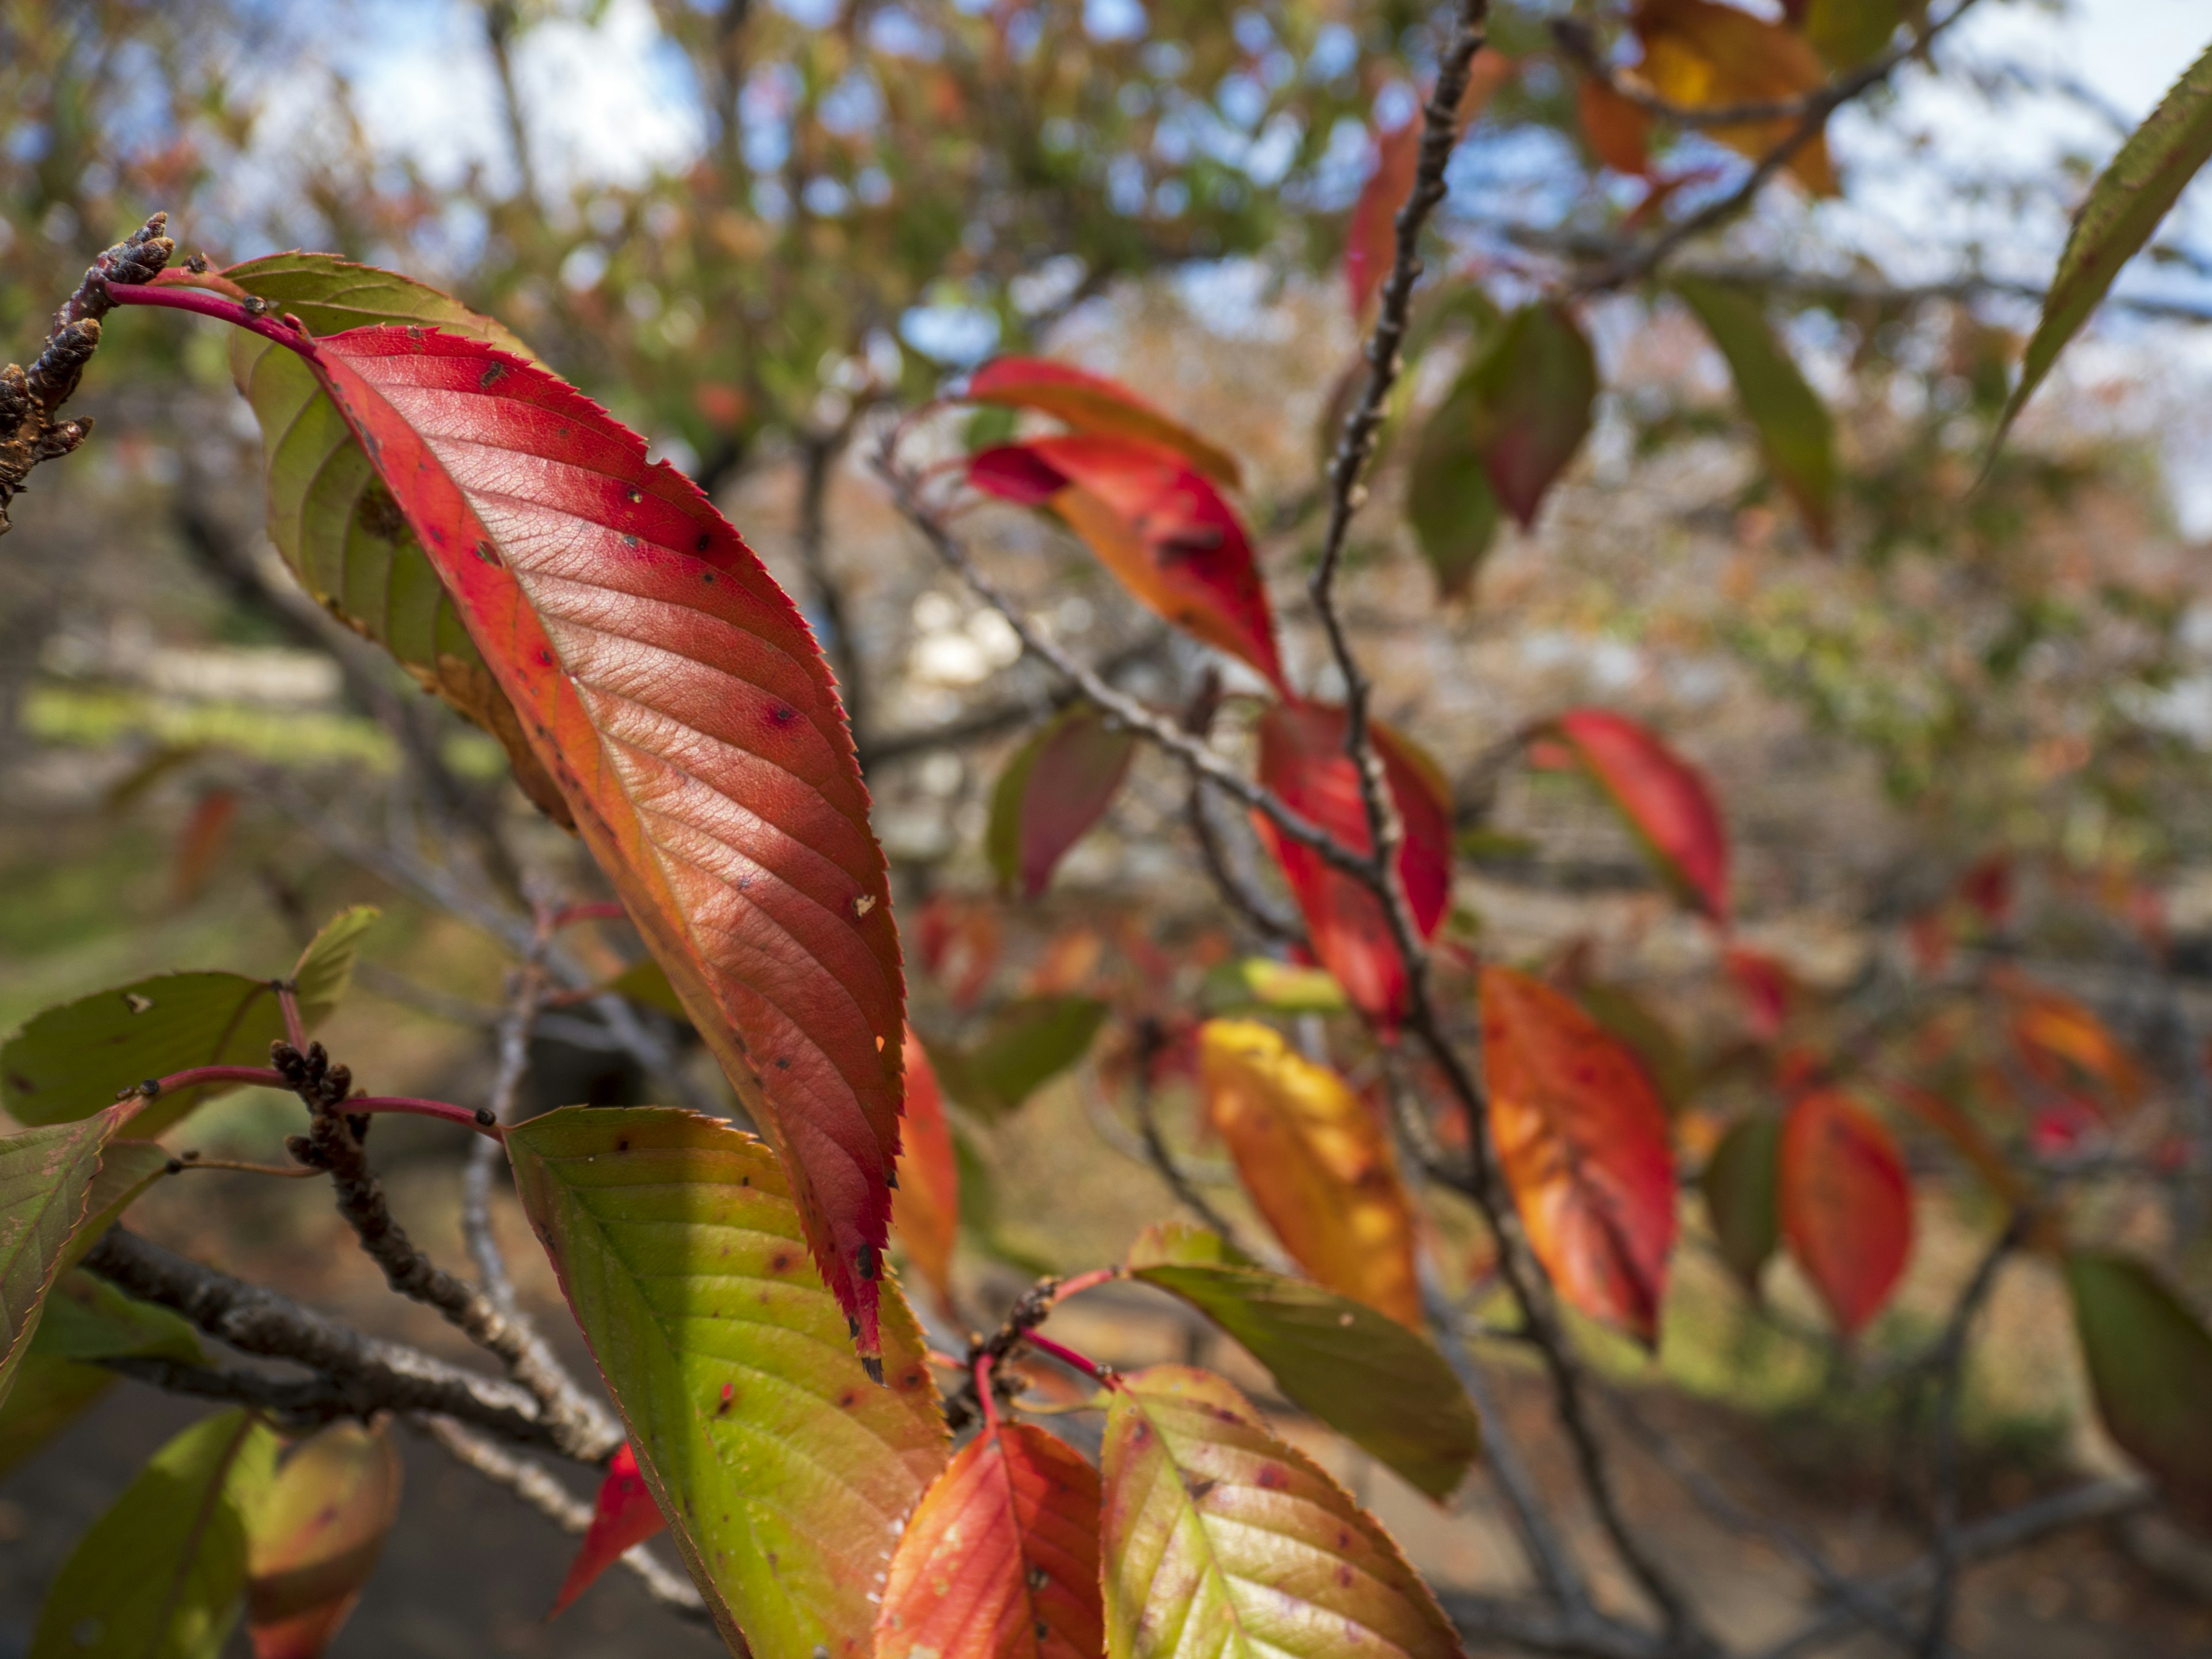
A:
(983, 1396)
(176, 297)
(482, 1123)
(1067, 1356)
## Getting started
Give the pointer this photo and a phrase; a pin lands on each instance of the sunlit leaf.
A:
(1703, 55)
(2150, 1364)
(2060, 1038)
(1157, 523)
(785, 1469)
(1058, 785)
(1664, 799)
(314, 1537)
(677, 698)
(1001, 1559)
(1524, 406)
(1092, 403)
(1795, 428)
(623, 1514)
(45, 1177)
(1739, 1186)
(1582, 1141)
(1220, 1540)
(1317, 1163)
(1383, 1387)
(162, 1574)
(1250, 983)
(1846, 1205)
(1023, 1049)
(335, 524)
(926, 1209)
(2126, 204)
(1302, 759)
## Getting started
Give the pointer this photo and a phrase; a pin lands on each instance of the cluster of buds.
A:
(323, 1086)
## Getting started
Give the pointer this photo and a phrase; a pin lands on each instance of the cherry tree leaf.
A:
(1795, 429)
(314, 1537)
(1381, 1386)
(46, 1179)
(1094, 404)
(1449, 501)
(1846, 33)
(1524, 405)
(676, 697)
(926, 1209)
(785, 1469)
(1664, 799)
(2150, 1365)
(1317, 1163)
(84, 1320)
(162, 1575)
(1024, 1048)
(1618, 131)
(47, 1397)
(1703, 55)
(1582, 1141)
(1058, 785)
(1157, 523)
(1846, 1205)
(1302, 759)
(1740, 1184)
(335, 524)
(1220, 1540)
(623, 1514)
(1001, 1559)
(2126, 204)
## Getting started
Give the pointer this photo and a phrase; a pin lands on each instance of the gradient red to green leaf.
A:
(678, 698)
(1846, 1205)
(1302, 759)
(1664, 799)
(1157, 523)
(1000, 1561)
(1582, 1138)
(1092, 403)
(622, 1514)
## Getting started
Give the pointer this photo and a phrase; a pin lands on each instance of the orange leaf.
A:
(1093, 404)
(206, 833)
(1302, 759)
(1846, 1205)
(1618, 131)
(315, 1537)
(1000, 1561)
(1317, 1163)
(1582, 1140)
(1155, 522)
(926, 1208)
(1664, 799)
(678, 700)
(623, 1514)
(1703, 54)
(2055, 1033)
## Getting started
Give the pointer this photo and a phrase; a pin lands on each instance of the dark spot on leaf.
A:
(623, 1146)
(782, 715)
(484, 552)
(783, 1062)
(780, 1262)
(632, 541)
(1272, 1478)
(1043, 1631)
(1344, 1577)
(491, 377)
(633, 496)
(845, 1401)
(704, 542)
(414, 333)
(1198, 1485)
(545, 656)
(709, 576)
(136, 1004)
(378, 515)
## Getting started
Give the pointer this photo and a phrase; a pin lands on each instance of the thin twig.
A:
(487, 1157)
(1161, 1156)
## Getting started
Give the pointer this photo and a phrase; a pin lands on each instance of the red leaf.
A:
(623, 1514)
(1767, 990)
(1000, 1561)
(1057, 785)
(206, 832)
(1155, 522)
(1091, 402)
(1988, 888)
(1582, 1140)
(675, 695)
(1618, 131)
(1846, 1205)
(1302, 759)
(926, 1209)
(1664, 799)
(1530, 398)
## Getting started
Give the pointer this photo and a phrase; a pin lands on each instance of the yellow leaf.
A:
(1317, 1163)
(1703, 54)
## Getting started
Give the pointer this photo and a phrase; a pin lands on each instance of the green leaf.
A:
(324, 974)
(1025, 1048)
(70, 1061)
(1058, 785)
(2117, 216)
(338, 527)
(1251, 983)
(1740, 1189)
(46, 1397)
(785, 1471)
(1531, 397)
(1219, 1539)
(2150, 1365)
(1795, 428)
(1449, 500)
(45, 1176)
(87, 1318)
(1380, 1385)
(162, 1575)
(127, 1167)
(1846, 33)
